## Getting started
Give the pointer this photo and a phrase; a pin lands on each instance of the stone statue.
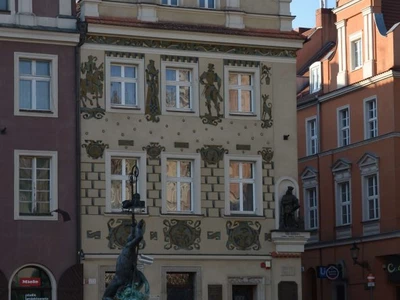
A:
(128, 280)
(288, 207)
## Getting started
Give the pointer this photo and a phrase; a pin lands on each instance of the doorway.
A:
(243, 292)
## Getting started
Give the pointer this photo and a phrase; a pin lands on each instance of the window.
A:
(243, 186)
(181, 282)
(35, 84)
(119, 166)
(3, 4)
(343, 126)
(344, 203)
(315, 77)
(356, 50)
(181, 183)
(242, 91)
(169, 2)
(369, 169)
(179, 88)
(124, 85)
(312, 208)
(371, 118)
(207, 3)
(341, 170)
(311, 136)
(371, 196)
(35, 185)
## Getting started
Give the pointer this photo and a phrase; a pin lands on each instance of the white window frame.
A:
(309, 180)
(341, 128)
(369, 166)
(53, 59)
(258, 199)
(142, 175)
(368, 120)
(196, 195)
(340, 204)
(315, 73)
(310, 139)
(366, 199)
(308, 209)
(356, 38)
(194, 111)
(178, 3)
(53, 183)
(256, 96)
(216, 4)
(140, 85)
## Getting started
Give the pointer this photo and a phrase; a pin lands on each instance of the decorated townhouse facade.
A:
(38, 215)
(196, 99)
(348, 138)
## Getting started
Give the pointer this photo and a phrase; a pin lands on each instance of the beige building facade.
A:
(200, 96)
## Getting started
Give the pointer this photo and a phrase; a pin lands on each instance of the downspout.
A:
(319, 188)
(82, 35)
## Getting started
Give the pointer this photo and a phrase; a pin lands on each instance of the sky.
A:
(304, 10)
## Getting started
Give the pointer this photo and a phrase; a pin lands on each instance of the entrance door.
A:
(180, 286)
(243, 292)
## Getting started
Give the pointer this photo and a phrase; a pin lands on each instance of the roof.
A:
(321, 53)
(391, 12)
(130, 22)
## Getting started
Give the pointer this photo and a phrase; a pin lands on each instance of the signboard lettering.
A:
(393, 267)
(331, 272)
(29, 282)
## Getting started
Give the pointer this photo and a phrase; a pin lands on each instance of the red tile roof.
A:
(129, 22)
(391, 12)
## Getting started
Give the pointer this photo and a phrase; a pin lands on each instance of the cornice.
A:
(190, 46)
(344, 6)
(39, 36)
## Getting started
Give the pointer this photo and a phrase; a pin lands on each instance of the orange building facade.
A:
(349, 151)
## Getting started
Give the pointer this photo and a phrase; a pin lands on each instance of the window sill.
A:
(357, 68)
(128, 214)
(182, 215)
(344, 226)
(180, 111)
(5, 12)
(235, 216)
(126, 107)
(36, 111)
(371, 221)
(242, 114)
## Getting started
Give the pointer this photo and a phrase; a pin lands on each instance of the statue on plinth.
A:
(289, 219)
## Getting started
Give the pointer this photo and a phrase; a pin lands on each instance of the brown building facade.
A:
(348, 135)
(38, 150)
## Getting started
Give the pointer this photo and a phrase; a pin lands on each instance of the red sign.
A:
(30, 281)
(370, 277)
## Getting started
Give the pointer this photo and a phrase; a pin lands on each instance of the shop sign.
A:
(34, 297)
(30, 282)
(393, 269)
(331, 272)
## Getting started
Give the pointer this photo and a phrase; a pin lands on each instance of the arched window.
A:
(31, 283)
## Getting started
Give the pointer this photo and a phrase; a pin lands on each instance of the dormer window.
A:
(170, 2)
(356, 50)
(207, 3)
(315, 77)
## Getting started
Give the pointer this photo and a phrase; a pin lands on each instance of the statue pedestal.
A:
(289, 241)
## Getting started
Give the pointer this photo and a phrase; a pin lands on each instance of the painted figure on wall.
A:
(212, 93)
(152, 102)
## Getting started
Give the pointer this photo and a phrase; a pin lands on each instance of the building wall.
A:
(37, 241)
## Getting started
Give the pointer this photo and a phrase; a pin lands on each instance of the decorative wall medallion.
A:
(212, 154)
(243, 235)
(243, 147)
(152, 102)
(181, 145)
(91, 88)
(93, 234)
(182, 234)
(259, 51)
(266, 117)
(265, 74)
(212, 94)
(95, 149)
(119, 231)
(267, 154)
(153, 235)
(154, 150)
(214, 235)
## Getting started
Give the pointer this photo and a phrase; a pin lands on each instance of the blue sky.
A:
(304, 10)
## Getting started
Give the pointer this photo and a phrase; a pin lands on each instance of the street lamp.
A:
(355, 251)
(135, 201)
